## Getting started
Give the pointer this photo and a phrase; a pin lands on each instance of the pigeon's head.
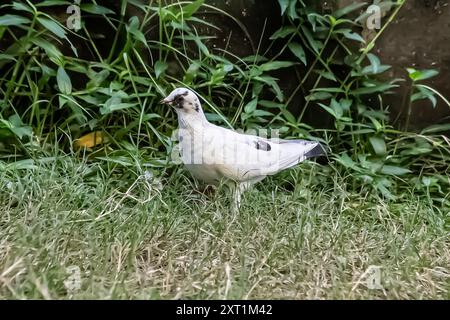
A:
(183, 100)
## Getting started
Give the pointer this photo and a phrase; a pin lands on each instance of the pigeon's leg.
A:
(239, 189)
(237, 198)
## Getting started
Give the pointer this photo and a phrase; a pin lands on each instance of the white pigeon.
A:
(213, 154)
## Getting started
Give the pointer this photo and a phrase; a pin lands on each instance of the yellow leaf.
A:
(90, 140)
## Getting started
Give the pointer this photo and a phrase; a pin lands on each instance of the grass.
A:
(300, 235)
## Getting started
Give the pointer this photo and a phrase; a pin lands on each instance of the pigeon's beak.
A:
(166, 101)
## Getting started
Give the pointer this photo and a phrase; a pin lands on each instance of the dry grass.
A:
(133, 240)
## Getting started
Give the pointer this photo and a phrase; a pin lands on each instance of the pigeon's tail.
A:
(311, 149)
(317, 151)
(292, 152)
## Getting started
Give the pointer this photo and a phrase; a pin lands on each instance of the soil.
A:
(419, 38)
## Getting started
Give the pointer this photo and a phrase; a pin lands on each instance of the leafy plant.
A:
(345, 73)
(60, 87)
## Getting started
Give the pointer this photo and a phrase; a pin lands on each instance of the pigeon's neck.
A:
(192, 121)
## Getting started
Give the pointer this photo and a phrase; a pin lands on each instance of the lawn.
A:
(92, 208)
(302, 234)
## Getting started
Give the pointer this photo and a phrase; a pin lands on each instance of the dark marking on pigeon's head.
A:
(178, 101)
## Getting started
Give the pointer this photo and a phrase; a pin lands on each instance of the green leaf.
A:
(16, 126)
(214, 117)
(319, 95)
(97, 78)
(283, 5)
(332, 20)
(51, 3)
(328, 75)
(13, 20)
(251, 106)
(337, 108)
(272, 82)
(374, 62)
(347, 162)
(289, 116)
(315, 18)
(63, 80)
(21, 7)
(358, 132)
(192, 8)
(315, 44)
(436, 128)
(95, 9)
(373, 88)
(428, 181)
(291, 10)
(345, 104)
(114, 107)
(262, 113)
(353, 36)
(331, 90)
(271, 104)
(394, 171)
(50, 49)
(191, 72)
(378, 145)
(329, 110)
(254, 58)
(160, 68)
(275, 65)
(382, 186)
(22, 131)
(53, 27)
(350, 8)
(416, 150)
(90, 99)
(201, 46)
(298, 51)
(133, 28)
(418, 75)
(149, 116)
(283, 32)
(7, 57)
(370, 70)
(424, 93)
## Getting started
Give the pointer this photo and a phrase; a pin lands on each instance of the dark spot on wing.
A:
(197, 107)
(262, 145)
(185, 93)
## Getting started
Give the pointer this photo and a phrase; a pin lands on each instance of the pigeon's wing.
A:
(247, 157)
